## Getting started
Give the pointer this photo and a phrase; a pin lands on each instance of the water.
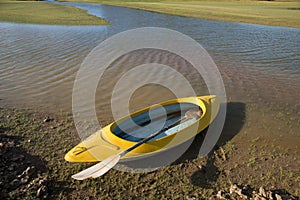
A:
(260, 65)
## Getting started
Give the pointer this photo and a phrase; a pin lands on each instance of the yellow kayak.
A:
(128, 131)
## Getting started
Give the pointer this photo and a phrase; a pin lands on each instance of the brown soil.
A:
(33, 145)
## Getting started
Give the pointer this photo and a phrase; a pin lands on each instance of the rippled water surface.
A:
(260, 65)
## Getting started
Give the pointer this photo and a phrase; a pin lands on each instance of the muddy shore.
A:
(33, 144)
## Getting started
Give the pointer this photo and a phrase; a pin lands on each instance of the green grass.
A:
(24, 133)
(283, 13)
(35, 12)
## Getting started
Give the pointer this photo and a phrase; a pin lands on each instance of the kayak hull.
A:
(108, 141)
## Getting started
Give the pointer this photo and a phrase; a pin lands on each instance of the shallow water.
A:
(259, 66)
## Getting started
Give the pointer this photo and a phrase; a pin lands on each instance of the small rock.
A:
(189, 197)
(41, 181)
(246, 188)
(223, 154)
(235, 189)
(262, 192)
(270, 195)
(202, 168)
(41, 191)
(258, 197)
(27, 172)
(278, 197)
(220, 195)
(182, 165)
(272, 187)
(24, 180)
(47, 119)
(11, 143)
(28, 141)
(232, 188)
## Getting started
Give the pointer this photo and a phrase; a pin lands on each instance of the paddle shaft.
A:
(151, 137)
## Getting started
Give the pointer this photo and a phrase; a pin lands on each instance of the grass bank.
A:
(276, 13)
(32, 166)
(37, 12)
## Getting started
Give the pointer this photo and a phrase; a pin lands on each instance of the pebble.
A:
(47, 119)
(42, 191)
(11, 143)
(278, 197)
(188, 197)
(262, 192)
(259, 198)
(247, 193)
(202, 169)
(220, 195)
(27, 172)
(24, 180)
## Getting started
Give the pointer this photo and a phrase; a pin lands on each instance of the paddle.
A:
(105, 165)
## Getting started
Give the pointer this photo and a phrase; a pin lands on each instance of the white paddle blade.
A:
(99, 169)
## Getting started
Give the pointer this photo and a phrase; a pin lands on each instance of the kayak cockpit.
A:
(142, 125)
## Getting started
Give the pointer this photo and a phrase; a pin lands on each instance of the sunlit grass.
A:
(257, 161)
(283, 13)
(35, 12)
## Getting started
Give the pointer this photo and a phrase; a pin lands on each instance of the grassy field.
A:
(277, 13)
(32, 165)
(35, 12)
(283, 13)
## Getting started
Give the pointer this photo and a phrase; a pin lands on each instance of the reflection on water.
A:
(39, 63)
(259, 64)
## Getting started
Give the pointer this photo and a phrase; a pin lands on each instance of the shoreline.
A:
(252, 12)
(46, 13)
(247, 163)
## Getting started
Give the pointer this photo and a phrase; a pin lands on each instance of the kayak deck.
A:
(127, 131)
